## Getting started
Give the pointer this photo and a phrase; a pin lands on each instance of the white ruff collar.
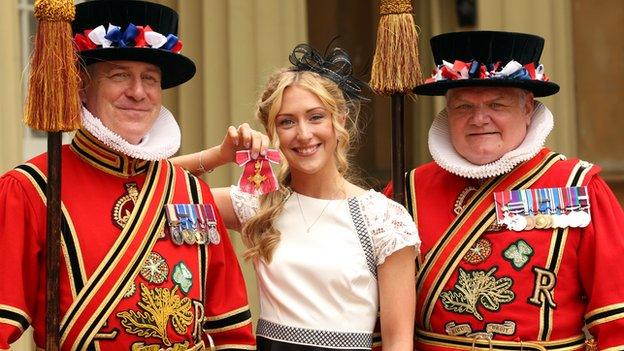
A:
(161, 142)
(445, 156)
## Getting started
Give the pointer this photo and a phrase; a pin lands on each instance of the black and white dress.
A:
(320, 290)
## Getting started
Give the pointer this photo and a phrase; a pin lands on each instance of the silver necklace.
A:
(309, 226)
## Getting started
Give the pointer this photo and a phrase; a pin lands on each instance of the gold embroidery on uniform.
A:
(543, 288)
(491, 329)
(104, 335)
(480, 335)
(591, 345)
(125, 205)
(130, 291)
(457, 329)
(139, 346)
(199, 319)
(506, 328)
(462, 199)
(477, 287)
(159, 306)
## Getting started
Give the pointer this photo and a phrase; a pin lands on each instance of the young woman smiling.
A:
(328, 254)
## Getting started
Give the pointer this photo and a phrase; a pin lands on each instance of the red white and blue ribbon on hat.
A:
(133, 36)
(258, 177)
(475, 70)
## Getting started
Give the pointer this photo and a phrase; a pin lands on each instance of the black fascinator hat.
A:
(108, 30)
(487, 58)
(336, 66)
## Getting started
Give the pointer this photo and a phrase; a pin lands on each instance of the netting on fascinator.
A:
(336, 65)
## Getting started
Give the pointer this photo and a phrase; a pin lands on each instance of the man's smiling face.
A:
(125, 95)
(486, 123)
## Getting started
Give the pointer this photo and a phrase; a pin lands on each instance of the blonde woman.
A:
(328, 254)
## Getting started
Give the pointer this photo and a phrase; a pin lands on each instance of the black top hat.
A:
(108, 30)
(487, 58)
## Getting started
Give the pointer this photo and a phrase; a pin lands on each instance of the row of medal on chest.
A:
(192, 224)
(544, 208)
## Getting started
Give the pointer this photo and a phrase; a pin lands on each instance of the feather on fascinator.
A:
(336, 66)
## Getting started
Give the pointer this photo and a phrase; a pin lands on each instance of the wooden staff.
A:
(53, 241)
(395, 72)
(53, 106)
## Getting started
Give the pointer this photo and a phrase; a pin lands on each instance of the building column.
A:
(10, 89)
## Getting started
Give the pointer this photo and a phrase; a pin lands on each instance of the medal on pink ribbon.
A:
(258, 177)
(208, 213)
(578, 206)
(202, 230)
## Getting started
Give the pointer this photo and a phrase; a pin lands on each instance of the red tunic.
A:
(533, 285)
(177, 295)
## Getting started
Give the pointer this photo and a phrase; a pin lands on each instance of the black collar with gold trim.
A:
(100, 156)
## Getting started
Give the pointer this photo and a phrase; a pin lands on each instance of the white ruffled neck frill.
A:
(445, 156)
(161, 142)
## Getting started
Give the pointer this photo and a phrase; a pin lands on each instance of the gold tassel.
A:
(53, 104)
(395, 66)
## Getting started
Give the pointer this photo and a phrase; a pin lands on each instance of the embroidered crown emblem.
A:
(125, 204)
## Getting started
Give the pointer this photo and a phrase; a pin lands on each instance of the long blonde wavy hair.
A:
(259, 233)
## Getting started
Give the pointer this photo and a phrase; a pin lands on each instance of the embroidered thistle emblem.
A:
(477, 287)
(159, 306)
(518, 254)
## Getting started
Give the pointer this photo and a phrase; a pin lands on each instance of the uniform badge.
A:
(543, 208)
(491, 329)
(479, 252)
(125, 204)
(460, 204)
(475, 289)
(183, 277)
(161, 310)
(518, 254)
(155, 269)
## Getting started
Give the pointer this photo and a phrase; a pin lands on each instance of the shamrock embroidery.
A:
(518, 254)
(182, 277)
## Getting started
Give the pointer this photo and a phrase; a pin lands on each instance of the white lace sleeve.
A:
(245, 205)
(390, 225)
